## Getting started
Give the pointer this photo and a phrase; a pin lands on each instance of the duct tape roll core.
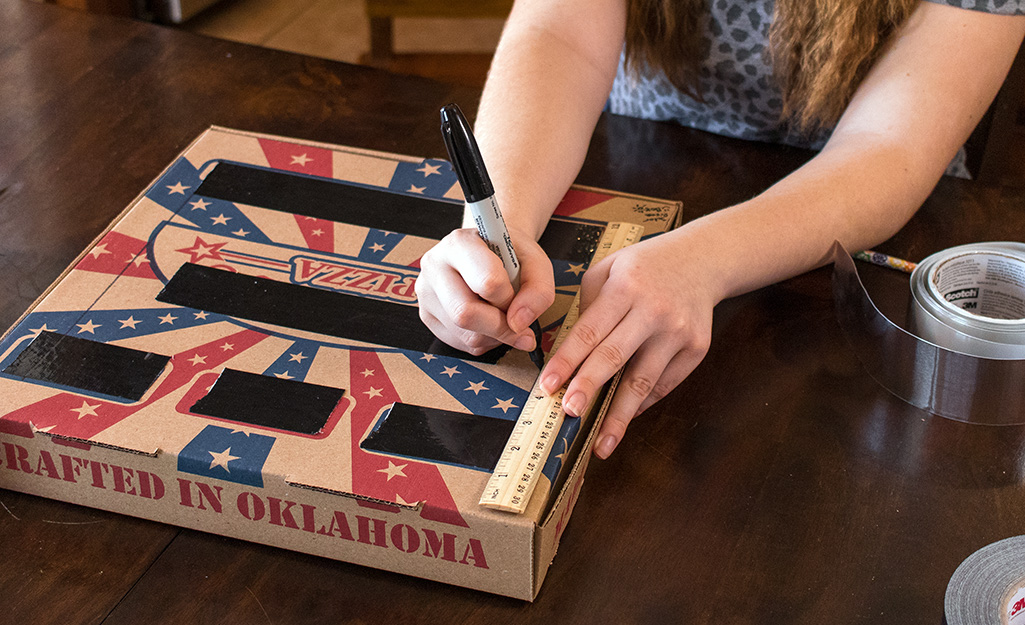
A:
(963, 356)
(988, 588)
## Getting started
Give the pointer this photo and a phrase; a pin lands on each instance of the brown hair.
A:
(820, 50)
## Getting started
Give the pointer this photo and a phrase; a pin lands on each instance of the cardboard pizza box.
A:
(240, 353)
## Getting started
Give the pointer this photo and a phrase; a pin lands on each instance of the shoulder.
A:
(1003, 7)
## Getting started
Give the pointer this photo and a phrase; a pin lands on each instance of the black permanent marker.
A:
(480, 200)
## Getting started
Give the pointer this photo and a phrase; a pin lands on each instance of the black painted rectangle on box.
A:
(571, 241)
(307, 308)
(89, 366)
(333, 200)
(441, 436)
(269, 402)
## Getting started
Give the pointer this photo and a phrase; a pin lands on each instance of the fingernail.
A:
(574, 404)
(521, 320)
(550, 383)
(525, 343)
(606, 447)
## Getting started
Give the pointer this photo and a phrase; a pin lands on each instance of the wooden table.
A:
(778, 484)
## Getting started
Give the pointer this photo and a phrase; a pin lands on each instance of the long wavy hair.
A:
(820, 50)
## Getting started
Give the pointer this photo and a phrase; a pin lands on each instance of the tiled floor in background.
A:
(337, 29)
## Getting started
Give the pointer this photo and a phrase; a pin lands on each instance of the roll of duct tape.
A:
(963, 356)
(988, 588)
(971, 299)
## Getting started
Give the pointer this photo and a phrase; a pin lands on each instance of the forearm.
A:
(547, 85)
(905, 123)
(859, 195)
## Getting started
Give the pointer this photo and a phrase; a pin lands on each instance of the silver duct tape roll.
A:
(989, 586)
(971, 299)
(963, 367)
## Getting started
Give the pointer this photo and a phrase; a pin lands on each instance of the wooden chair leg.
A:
(381, 39)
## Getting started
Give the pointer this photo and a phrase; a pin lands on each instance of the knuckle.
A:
(700, 343)
(640, 385)
(660, 390)
(476, 343)
(491, 286)
(427, 261)
(611, 354)
(587, 333)
(462, 314)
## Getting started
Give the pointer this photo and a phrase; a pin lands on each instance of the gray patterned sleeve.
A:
(1003, 7)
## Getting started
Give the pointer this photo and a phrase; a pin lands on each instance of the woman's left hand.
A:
(648, 307)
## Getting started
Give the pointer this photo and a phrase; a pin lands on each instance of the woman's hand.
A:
(648, 307)
(467, 300)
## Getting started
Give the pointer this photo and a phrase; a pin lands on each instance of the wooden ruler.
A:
(526, 452)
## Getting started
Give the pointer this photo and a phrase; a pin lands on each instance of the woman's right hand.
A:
(467, 300)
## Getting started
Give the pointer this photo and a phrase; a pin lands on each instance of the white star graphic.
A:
(40, 330)
(565, 449)
(372, 393)
(377, 247)
(99, 250)
(402, 502)
(86, 410)
(222, 459)
(450, 371)
(240, 232)
(505, 405)
(197, 360)
(168, 318)
(296, 357)
(220, 220)
(415, 189)
(428, 169)
(130, 322)
(367, 372)
(138, 260)
(284, 376)
(199, 204)
(393, 470)
(477, 387)
(177, 188)
(301, 160)
(227, 346)
(428, 357)
(576, 270)
(201, 314)
(88, 326)
(316, 232)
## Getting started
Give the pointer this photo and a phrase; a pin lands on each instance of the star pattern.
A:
(130, 322)
(99, 250)
(393, 470)
(301, 160)
(221, 459)
(427, 169)
(477, 387)
(505, 405)
(86, 410)
(88, 326)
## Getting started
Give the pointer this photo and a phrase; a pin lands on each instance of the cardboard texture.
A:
(218, 357)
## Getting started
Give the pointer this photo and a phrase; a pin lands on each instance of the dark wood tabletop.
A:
(778, 484)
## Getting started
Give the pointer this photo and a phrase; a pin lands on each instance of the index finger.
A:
(590, 329)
